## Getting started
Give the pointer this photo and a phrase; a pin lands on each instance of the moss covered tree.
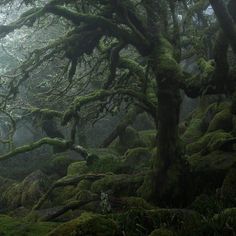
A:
(141, 44)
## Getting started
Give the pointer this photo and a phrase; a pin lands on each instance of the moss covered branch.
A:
(81, 101)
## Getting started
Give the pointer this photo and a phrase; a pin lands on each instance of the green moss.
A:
(193, 131)
(76, 168)
(61, 196)
(136, 202)
(217, 160)
(86, 225)
(137, 159)
(11, 198)
(129, 139)
(60, 163)
(161, 232)
(33, 187)
(120, 185)
(209, 142)
(12, 227)
(148, 137)
(222, 120)
(84, 185)
(146, 189)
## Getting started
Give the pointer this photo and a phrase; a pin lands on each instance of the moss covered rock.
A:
(77, 168)
(193, 130)
(136, 202)
(222, 120)
(33, 187)
(87, 224)
(119, 185)
(60, 163)
(11, 198)
(209, 142)
(217, 160)
(137, 159)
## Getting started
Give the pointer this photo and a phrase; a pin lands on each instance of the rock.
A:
(11, 198)
(193, 131)
(77, 168)
(33, 187)
(26, 193)
(60, 163)
(209, 142)
(214, 161)
(87, 224)
(222, 120)
(119, 185)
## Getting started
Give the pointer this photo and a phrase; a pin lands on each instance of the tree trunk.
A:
(169, 169)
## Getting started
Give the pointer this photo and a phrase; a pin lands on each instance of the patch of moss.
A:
(148, 137)
(216, 160)
(59, 164)
(209, 142)
(137, 159)
(222, 120)
(136, 202)
(76, 168)
(12, 227)
(86, 225)
(193, 131)
(120, 185)
(129, 139)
